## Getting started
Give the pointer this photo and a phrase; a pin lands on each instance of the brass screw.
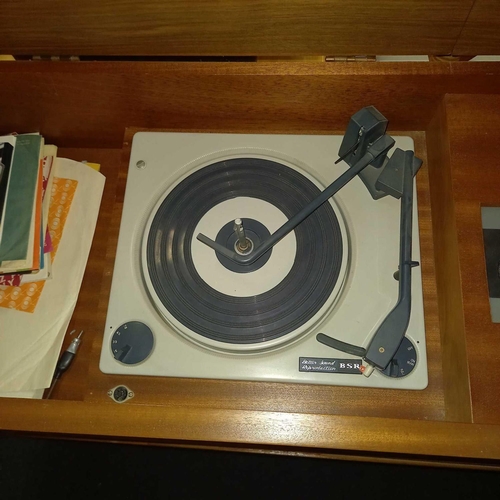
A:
(381, 349)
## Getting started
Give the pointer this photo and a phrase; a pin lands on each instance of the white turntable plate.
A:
(363, 294)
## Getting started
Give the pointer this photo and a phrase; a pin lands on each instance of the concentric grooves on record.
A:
(242, 320)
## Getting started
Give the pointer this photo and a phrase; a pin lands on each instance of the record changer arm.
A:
(365, 139)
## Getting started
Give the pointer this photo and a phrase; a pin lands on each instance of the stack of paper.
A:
(24, 241)
(34, 315)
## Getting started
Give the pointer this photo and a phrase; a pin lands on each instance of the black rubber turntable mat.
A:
(243, 320)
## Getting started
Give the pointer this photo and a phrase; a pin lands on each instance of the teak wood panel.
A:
(475, 174)
(275, 430)
(91, 104)
(452, 328)
(481, 33)
(231, 27)
(465, 176)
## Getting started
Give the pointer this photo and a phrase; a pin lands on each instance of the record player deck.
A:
(257, 257)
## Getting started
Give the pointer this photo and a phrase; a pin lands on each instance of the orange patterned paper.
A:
(25, 297)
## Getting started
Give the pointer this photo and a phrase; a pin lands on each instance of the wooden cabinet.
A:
(452, 110)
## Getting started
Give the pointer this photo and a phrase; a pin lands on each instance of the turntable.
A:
(257, 257)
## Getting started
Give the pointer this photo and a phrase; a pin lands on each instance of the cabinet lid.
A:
(238, 27)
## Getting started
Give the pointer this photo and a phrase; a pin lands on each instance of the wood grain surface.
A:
(277, 430)
(481, 32)
(475, 173)
(90, 104)
(231, 27)
(452, 327)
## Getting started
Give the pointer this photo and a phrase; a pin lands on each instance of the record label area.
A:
(185, 301)
(260, 315)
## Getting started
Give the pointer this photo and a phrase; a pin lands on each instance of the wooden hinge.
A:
(448, 58)
(350, 58)
(55, 58)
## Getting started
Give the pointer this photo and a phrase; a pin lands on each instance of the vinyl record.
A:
(295, 283)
